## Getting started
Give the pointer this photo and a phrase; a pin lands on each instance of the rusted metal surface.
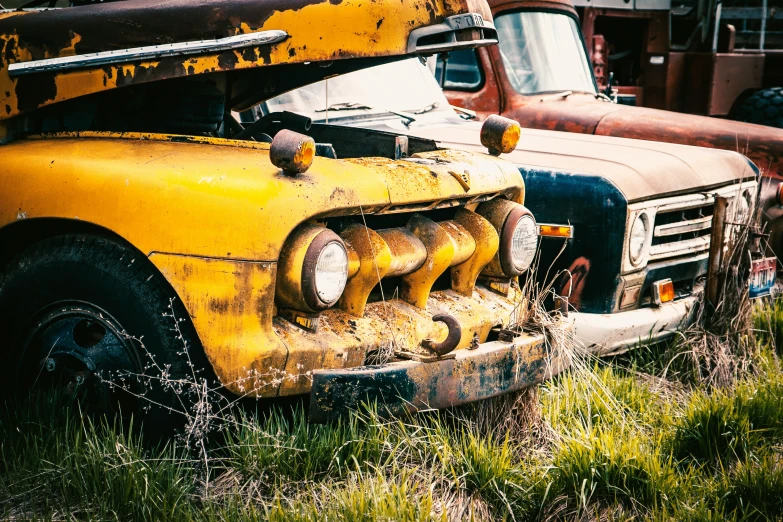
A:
(237, 227)
(387, 327)
(449, 344)
(440, 255)
(224, 268)
(464, 275)
(292, 152)
(491, 369)
(310, 24)
(499, 135)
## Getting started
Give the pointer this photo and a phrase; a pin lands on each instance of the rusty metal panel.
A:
(492, 369)
(733, 74)
(310, 24)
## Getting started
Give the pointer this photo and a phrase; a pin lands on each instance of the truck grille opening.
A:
(682, 229)
(681, 225)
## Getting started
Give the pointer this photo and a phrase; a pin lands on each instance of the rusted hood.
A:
(312, 31)
(584, 114)
(640, 169)
(763, 145)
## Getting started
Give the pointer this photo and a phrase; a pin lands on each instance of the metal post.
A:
(763, 23)
(716, 248)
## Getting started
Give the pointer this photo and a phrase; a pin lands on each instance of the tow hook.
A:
(452, 339)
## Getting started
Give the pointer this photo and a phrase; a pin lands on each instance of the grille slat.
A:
(682, 230)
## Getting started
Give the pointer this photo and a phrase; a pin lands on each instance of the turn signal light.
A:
(780, 194)
(292, 152)
(500, 135)
(564, 231)
(662, 292)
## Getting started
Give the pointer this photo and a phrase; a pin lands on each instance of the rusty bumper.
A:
(491, 369)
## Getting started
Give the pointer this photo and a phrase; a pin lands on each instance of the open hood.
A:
(49, 56)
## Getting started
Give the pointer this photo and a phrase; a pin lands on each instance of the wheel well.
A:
(17, 236)
(744, 95)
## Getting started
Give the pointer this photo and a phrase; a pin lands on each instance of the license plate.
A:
(762, 276)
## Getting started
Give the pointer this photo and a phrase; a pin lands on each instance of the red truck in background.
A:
(540, 74)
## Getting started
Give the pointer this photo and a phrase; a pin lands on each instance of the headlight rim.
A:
(506, 240)
(643, 250)
(312, 255)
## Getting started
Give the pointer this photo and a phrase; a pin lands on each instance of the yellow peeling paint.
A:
(317, 33)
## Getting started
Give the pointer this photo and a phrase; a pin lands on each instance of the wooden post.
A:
(716, 249)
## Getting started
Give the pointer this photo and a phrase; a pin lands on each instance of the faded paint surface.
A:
(184, 198)
(343, 340)
(231, 305)
(215, 223)
(311, 25)
(213, 215)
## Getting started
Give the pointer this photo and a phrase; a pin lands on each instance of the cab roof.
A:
(52, 55)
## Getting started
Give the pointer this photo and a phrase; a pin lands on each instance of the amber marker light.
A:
(500, 135)
(663, 292)
(780, 194)
(292, 152)
(562, 231)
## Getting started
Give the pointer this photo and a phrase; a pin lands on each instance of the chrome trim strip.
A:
(151, 52)
(681, 227)
(679, 248)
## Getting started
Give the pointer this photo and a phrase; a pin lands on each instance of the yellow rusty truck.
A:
(149, 238)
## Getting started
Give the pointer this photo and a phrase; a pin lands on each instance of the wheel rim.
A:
(81, 349)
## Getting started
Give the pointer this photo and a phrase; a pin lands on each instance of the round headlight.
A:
(638, 238)
(524, 241)
(331, 272)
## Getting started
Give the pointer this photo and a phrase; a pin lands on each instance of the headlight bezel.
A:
(511, 225)
(641, 217)
(317, 247)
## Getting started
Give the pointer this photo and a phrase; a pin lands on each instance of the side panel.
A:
(231, 305)
(733, 75)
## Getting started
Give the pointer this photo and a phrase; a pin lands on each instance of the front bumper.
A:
(608, 334)
(491, 369)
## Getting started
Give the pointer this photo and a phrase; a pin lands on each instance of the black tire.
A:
(764, 107)
(58, 279)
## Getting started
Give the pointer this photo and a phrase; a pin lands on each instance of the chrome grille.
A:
(682, 224)
(681, 231)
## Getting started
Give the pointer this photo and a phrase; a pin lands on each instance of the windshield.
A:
(406, 86)
(543, 52)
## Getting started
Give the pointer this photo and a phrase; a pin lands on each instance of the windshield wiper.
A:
(355, 106)
(346, 106)
(431, 107)
(465, 114)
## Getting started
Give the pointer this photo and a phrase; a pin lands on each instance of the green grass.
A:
(611, 441)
